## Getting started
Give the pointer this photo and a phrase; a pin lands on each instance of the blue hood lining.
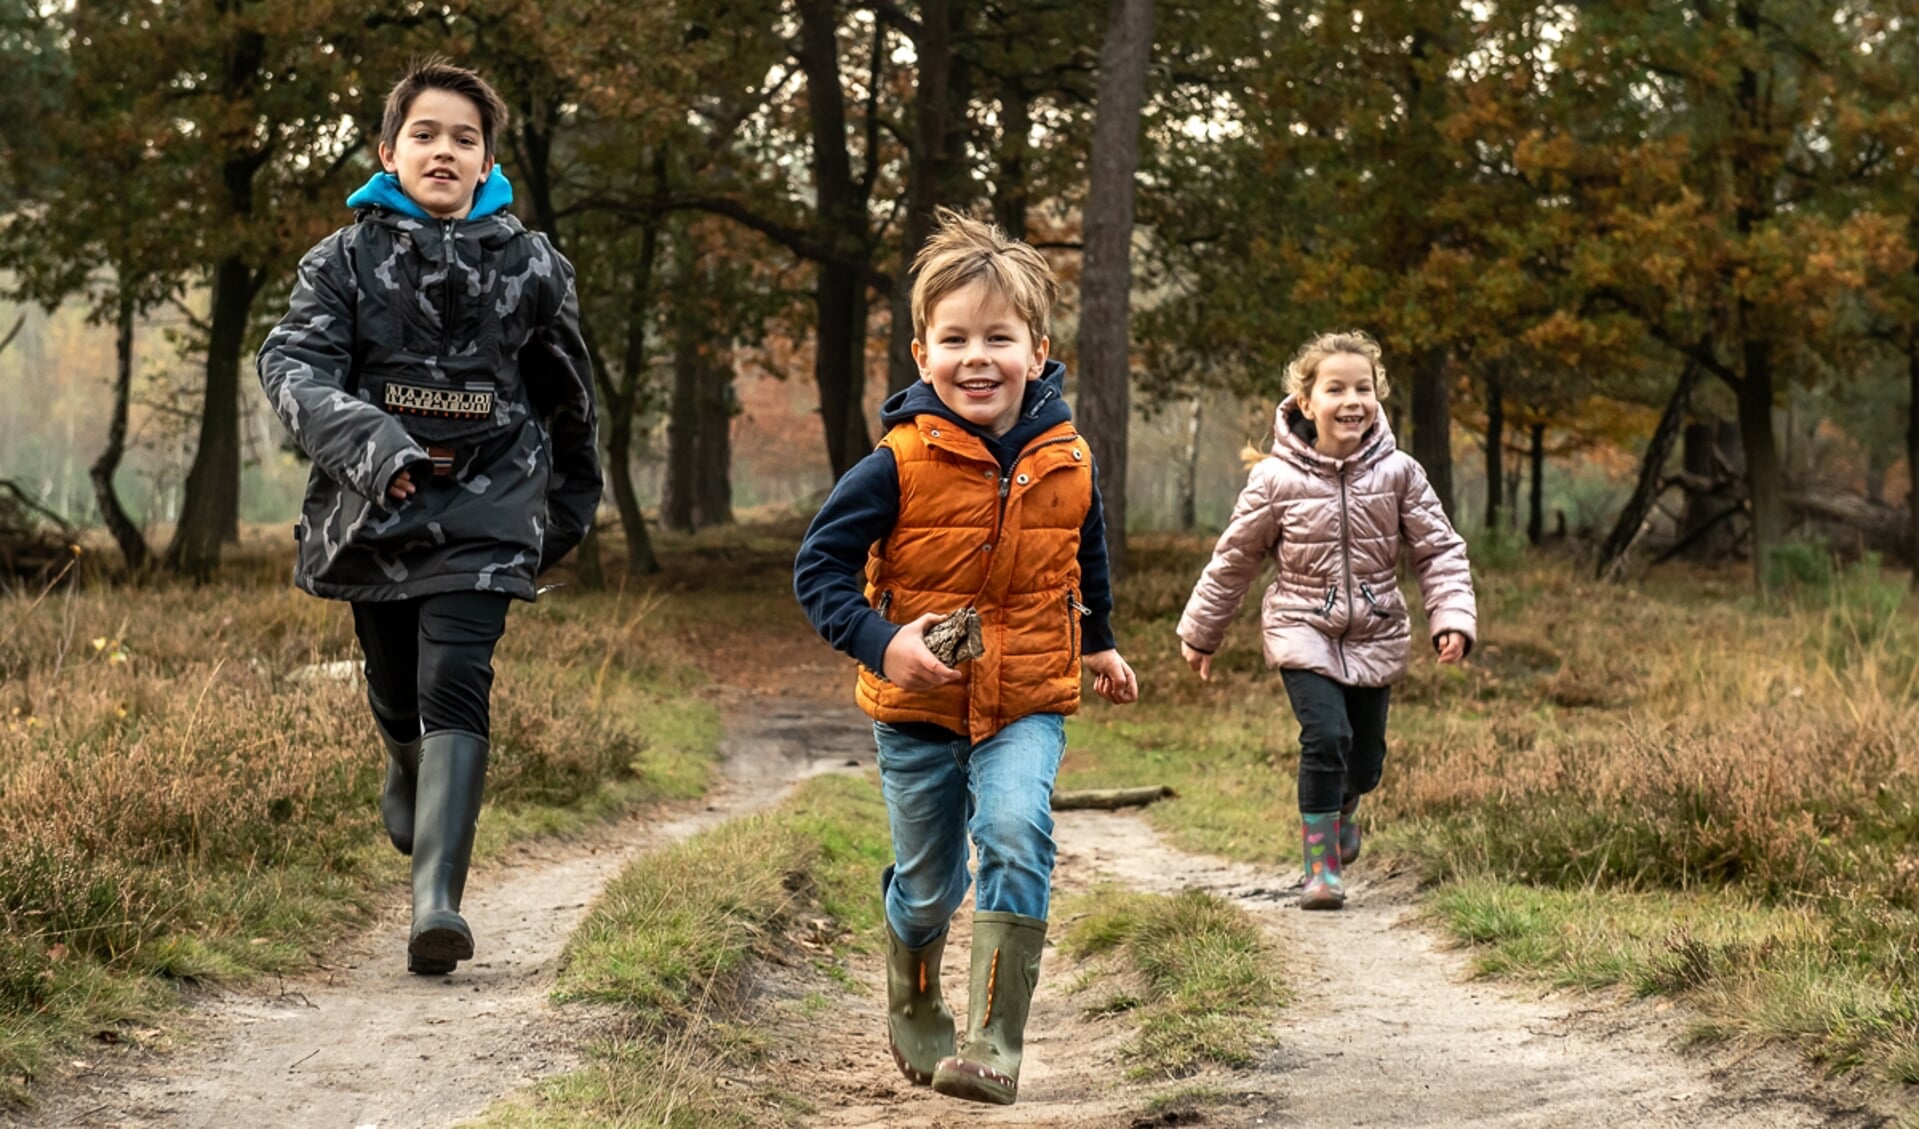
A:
(383, 190)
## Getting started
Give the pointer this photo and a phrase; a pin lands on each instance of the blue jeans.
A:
(939, 791)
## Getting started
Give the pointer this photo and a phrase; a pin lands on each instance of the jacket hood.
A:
(1293, 436)
(1043, 407)
(383, 190)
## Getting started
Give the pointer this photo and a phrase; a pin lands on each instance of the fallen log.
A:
(1109, 799)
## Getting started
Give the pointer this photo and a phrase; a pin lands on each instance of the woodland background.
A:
(1644, 270)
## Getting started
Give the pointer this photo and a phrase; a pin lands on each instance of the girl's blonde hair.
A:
(1303, 369)
(962, 251)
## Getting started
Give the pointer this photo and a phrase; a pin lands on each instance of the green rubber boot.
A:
(1325, 886)
(1006, 951)
(919, 1029)
(402, 782)
(452, 779)
(402, 774)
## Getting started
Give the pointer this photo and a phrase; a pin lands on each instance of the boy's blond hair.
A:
(963, 251)
(1303, 369)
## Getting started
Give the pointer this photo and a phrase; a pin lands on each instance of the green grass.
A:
(1207, 981)
(671, 945)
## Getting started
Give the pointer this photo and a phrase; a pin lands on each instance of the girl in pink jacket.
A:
(1332, 504)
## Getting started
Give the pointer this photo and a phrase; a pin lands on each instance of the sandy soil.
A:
(1386, 1030)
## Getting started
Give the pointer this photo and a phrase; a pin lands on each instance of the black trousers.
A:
(429, 662)
(1342, 738)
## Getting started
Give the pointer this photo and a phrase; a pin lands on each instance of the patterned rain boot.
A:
(919, 1029)
(1325, 889)
(1348, 831)
(1006, 949)
(452, 779)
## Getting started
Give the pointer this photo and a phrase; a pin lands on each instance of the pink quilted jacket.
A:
(1335, 526)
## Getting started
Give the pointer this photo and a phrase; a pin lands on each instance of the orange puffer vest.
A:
(1007, 544)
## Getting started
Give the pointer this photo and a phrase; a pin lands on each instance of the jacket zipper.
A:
(1324, 607)
(1346, 556)
(446, 292)
(886, 604)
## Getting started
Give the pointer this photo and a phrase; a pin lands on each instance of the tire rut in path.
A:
(363, 1043)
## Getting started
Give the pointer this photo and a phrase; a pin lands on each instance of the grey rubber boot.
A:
(1006, 952)
(452, 780)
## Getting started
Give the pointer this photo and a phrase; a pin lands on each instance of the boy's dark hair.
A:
(437, 72)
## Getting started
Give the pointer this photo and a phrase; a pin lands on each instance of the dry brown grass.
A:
(174, 800)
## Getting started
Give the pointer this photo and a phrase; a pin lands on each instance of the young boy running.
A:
(982, 496)
(430, 362)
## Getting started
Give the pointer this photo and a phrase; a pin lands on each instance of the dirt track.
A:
(1385, 1031)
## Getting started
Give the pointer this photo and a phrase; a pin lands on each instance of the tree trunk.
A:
(623, 404)
(1189, 468)
(589, 564)
(126, 533)
(212, 500)
(1912, 450)
(1010, 193)
(941, 94)
(682, 420)
(1495, 448)
(1106, 280)
(839, 362)
(1652, 474)
(1433, 424)
(1536, 504)
(1763, 484)
(713, 479)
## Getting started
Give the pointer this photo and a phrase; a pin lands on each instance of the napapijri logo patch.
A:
(420, 400)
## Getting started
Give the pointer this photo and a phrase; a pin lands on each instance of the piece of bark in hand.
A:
(956, 638)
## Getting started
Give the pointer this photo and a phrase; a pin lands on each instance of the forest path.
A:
(1386, 1028)
(361, 1042)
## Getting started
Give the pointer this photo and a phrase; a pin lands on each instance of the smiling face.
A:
(440, 155)
(1342, 403)
(979, 354)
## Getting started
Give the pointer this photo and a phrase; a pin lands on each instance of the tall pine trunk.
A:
(940, 96)
(212, 500)
(1495, 448)
(1433, 424)
(1536, 504)
(1106, 281)
(713, 476)
(839, 295)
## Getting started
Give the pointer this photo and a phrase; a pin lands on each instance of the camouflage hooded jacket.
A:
(406, 333)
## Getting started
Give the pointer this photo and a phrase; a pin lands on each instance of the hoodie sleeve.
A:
(1251, 535)
(1439, 558)
(1095, 578)
(829, 572)
(559, 379)
(304, 366)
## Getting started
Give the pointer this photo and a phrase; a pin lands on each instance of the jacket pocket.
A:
(1074, 610)
(1377, 608)
(1324, 607)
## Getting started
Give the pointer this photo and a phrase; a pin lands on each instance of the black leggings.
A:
(429, 662)
(1342, 738)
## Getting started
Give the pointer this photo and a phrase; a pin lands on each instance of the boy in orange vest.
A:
(980, 495)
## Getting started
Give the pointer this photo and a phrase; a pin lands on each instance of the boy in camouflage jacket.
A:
(431, 364)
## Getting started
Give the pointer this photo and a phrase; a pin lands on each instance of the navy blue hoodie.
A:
(829, 573)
